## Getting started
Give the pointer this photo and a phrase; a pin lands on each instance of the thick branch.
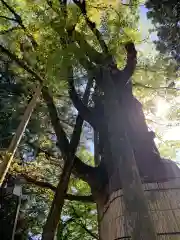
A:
(8, 30)
(54, 160)
(21, 63)
(53, 188)
(69, 153)
(84, 111)
(62, 142)
(137, 84)
(8, 18)
(71, 197)
(77, 51)
(131, 61)
(40, 150)
(17, 16)
(18, 19)
(38, 183)
(85, 63)
(80, 168)
(93, 55)
(92, 25)
(85, 172)
(79, 121)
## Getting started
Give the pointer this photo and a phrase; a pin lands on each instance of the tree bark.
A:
(54, 215)
(163, 203)
(124, 169)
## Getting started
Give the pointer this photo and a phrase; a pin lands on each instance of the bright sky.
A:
(163, 107)
(144, 26)
(171, 133)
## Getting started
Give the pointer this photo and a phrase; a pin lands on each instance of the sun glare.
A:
(162, 108)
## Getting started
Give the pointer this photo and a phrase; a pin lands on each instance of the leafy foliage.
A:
(165, 16)
(38, 155)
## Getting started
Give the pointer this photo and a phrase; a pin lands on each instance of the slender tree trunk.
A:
(6, 162)
(54, 215)
(57, 204)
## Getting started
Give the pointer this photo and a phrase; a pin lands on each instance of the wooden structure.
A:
(8, 158)
(164, 205)
(10, 201)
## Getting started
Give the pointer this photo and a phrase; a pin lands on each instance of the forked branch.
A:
(17, 18)
(47, 185)
(49, 229)
(82, 170)
(82, 5)
(131, 61)
(83, 110)
(9, 30)
(93, 55)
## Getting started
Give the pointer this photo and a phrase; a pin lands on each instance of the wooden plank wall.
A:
(164, 206)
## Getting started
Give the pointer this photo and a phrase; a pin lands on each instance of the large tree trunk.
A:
(128, 209)
(122, 169)
(163, 204)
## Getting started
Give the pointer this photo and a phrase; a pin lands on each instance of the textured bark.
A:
(163, 205)
(121, 167)
(57, 204)
(124, 166)
(96, 149)
(122, 207)
(68, 151)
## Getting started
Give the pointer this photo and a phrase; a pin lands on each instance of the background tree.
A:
(165, 17)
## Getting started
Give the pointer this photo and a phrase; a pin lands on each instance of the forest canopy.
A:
(41, 43)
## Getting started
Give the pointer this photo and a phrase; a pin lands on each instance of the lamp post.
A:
(10, 202)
